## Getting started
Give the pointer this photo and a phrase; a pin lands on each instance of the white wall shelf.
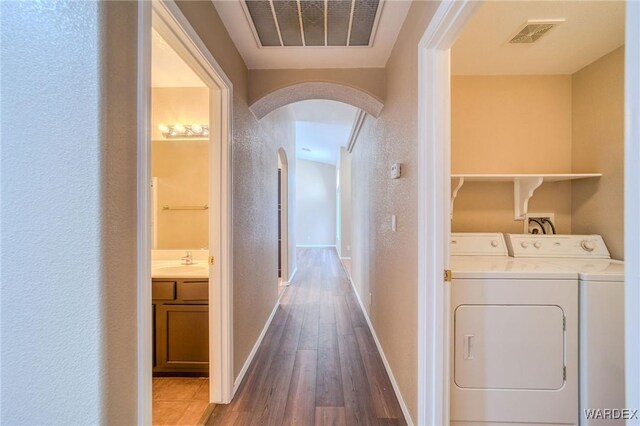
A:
(524, 185)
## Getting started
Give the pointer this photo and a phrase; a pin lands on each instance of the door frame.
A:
(434, 126)
(434, 223)
(166, 17)
(632, 206)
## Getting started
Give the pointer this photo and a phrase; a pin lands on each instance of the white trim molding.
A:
(166, 17)
(387, 367)
(632, 208)
(434, 227)
(290, 280)
(144, 305)
(358, 121)
(256, 346)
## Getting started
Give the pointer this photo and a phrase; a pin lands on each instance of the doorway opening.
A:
(435, 142)
(184, 239)
(283, 218)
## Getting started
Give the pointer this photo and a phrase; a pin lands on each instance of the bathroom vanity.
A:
(180, 296)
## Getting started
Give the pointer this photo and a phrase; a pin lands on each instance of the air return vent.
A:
(290, 23)
(534, 30)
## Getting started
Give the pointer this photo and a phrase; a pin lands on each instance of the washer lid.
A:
(495, 267)
(592, 269)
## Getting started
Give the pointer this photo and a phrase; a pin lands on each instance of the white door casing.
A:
(168, 20)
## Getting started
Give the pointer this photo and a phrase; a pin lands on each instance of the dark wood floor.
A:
(318, 363)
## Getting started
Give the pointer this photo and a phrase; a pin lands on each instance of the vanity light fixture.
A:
(181, 131)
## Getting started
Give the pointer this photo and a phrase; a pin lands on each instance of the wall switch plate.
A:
(530, 224)
(370, 298)
(396, 170)
(394, 223)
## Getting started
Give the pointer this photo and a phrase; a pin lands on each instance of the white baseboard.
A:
(253, 352)
(396, 388)
(316, 246)
(291, 277)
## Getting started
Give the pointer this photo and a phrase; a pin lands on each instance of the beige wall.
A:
(315, 203)
(255, 164)
(184, 105)
(598, 146)
(369, 80)
(385, 262)
(181, 168)
(510, 124)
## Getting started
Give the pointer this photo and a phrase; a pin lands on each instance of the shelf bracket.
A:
(523, 189)
(454, 194)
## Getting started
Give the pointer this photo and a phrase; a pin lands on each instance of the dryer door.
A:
(509, 347)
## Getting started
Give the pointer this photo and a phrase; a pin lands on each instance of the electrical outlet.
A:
(370, 298)
(538, 223)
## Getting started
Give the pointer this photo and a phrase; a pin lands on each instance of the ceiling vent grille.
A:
(297, 23)
(533, 31)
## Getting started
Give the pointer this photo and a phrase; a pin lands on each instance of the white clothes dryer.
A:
(514, 345)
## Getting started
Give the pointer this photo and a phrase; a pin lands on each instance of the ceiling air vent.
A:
(291, 23)
(533, 30)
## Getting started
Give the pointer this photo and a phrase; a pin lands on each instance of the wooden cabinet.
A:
(181, 326)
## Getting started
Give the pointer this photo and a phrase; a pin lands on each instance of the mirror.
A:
(180, 153)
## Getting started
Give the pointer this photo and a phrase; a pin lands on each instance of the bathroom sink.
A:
(199, 270)
(181, 269)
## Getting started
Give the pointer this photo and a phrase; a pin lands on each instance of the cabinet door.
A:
(182, 338)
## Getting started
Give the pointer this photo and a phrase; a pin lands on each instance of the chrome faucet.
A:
(187, 259)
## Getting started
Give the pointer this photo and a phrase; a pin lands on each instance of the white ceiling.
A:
(323, 127)
(391, 20)
(591, 30)
(167, 68)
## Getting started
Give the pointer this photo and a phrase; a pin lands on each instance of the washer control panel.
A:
(577, 246)
(478, 244)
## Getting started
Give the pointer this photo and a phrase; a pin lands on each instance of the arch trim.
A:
(316, 90)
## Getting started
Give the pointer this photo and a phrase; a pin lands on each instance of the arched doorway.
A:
(317, 90)
(283, 217)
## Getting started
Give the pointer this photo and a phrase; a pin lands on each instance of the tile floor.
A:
(179, 401)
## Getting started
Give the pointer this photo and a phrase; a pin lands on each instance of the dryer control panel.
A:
(559, 246)
(478, 244)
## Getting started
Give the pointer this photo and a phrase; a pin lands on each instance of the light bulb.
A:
(179, 128)
(163, 128)
(197, 129)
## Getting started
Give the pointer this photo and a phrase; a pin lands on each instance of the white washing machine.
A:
(514, 346)
(601, 313)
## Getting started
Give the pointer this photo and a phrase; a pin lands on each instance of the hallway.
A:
(318, 363)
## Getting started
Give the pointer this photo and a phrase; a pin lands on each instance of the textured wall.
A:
(369, 80)
(385, 262)
(69, 202)
(315, 203)
(598, 146)
(510, 124)
(255, 164)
